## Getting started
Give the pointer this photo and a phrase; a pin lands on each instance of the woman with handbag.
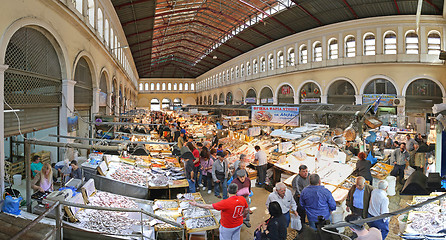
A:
(275, 227)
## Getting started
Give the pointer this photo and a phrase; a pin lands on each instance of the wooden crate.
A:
(12, 169)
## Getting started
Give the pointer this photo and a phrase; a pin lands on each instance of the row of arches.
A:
(166, 86)
(97, 18)
(330, 50)
(37, 64)
(421, 92)
(166, 103)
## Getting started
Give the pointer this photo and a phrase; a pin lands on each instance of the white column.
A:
(108, 109)
(2, 132)
(95, 107)
(358, 99)
(444, 99)
(296, 99)
(324, 98)
(66, 110)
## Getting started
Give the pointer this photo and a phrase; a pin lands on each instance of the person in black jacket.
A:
(276, 226)
(363, 167)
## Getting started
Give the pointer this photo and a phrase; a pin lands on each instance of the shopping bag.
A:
(11, 205)
(295, 223)
(371, 158)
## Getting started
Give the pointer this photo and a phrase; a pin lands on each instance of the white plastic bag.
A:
(295, 223)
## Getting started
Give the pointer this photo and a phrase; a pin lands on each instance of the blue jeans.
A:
(191, 186)
(224, 185)
(313, 224)
(382, 225)
(287, 217)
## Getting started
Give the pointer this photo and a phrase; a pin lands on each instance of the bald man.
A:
(358, 197)
(284, 197)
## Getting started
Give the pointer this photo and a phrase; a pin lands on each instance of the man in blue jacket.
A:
(317, 201)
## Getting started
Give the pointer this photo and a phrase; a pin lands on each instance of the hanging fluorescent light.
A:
(15, 110)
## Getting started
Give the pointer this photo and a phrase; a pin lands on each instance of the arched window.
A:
(350, 46)
(152, 87)
(369, 44)
(169, 86)
(90, 12)
(116, 45)
(100, 23)
(341, 92)
(227, 75)
(271, 62)
(411, 43)
(146, 86)
(423, 93)
(248, 69)
(291, 59)
(303, 54)
(158, 86)
(112, 37)
(192, 87)
(78, 5)
(106, 32)
(262, 64)
(255, 66)
(280, 59)
(223, 77)
(242, 70)
(175, 86)
(433, 43)
(317, 52)
(380, 86)
(186, 87)
(163, 87)
(390, 43)
(180, 87)
(236, 72)
(141, 87)
(310, 93)
(266, 96)
(333, 49)
(232, 73)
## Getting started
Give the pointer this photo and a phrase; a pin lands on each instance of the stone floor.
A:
(260, 214)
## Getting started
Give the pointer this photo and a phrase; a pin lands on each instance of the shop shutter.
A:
(32, 82)
(83, 90)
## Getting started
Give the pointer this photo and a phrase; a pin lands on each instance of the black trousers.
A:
(300, 210)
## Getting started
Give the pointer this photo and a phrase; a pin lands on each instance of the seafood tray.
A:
(186, 204)
(201, 224)
(346, 184)
(425, 222)
(190, 196)
(195, 212)
(166, 204)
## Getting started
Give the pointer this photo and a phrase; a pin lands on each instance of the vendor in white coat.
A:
(284, 197)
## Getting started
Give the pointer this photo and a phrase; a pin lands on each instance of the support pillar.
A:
(66, 110)
(296, 99)
(324, 99)
(358, 99)
(2, 132)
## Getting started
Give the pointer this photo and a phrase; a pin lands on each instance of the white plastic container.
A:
(17, 179)
(402, 224)
(392, 185)
(338, 216)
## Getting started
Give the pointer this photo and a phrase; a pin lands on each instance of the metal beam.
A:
(130, 3)
(397, 8)
(107, 140)
(271, 17)
(351, 9)
(433, 5)
(187, 23)
(307, 12)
